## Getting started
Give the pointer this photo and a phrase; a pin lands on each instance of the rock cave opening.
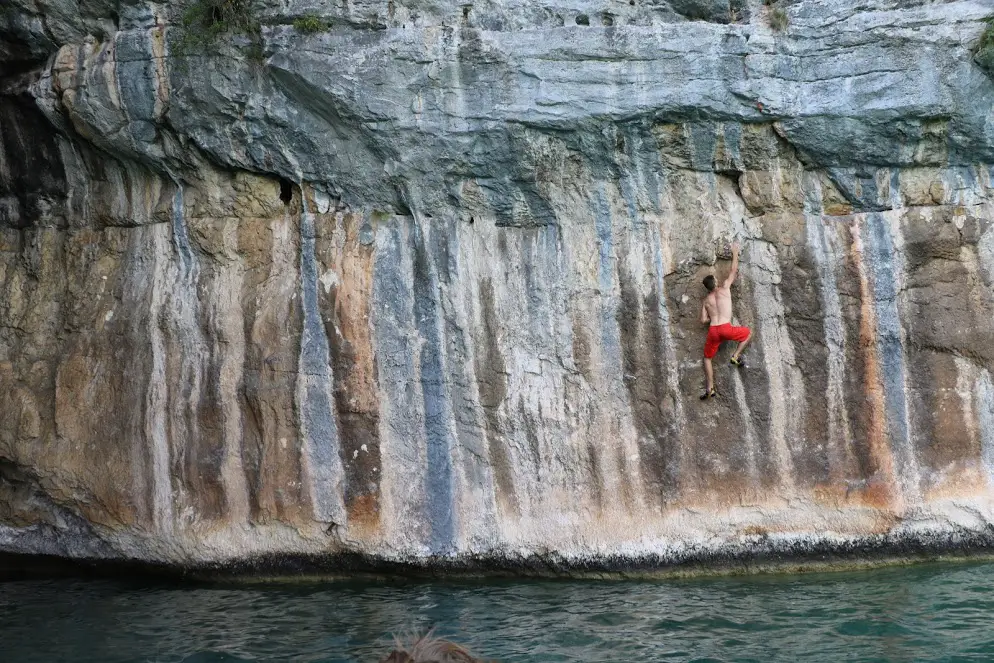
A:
(286, 191)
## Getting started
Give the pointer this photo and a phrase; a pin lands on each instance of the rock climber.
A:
(717, 309)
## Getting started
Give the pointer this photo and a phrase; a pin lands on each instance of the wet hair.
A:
(709, 282)
(428, 649)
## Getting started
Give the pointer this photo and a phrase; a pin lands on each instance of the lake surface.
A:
(923, 613)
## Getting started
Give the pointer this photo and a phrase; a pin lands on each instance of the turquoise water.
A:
(925, 613)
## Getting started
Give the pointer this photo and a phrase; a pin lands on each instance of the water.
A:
(930, 613)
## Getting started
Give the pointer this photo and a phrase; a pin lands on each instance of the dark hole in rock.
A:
(286, 191)
(607, 20)
(582, 19)
(465, 12)
(631, 2)
(471, 220)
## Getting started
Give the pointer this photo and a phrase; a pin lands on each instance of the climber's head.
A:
(709, 282)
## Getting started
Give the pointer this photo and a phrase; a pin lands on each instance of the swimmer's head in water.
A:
(709, 282)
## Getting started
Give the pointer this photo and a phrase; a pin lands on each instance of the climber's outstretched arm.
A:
(735, 266)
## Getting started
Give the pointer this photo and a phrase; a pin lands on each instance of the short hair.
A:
(428, 649)
(709, 282)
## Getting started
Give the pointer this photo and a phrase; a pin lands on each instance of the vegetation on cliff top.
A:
(310, 24)
(206, 20)
(777, 16)
(984, 55)
(778, 19)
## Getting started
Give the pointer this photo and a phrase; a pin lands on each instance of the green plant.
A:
(984, 54)
(207, 20)
(778, 19)
(309, 24)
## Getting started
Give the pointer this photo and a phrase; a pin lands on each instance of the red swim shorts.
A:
(717, 334)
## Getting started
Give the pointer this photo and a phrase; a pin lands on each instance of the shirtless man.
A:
(717, 310)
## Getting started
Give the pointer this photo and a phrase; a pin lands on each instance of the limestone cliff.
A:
(424, 284)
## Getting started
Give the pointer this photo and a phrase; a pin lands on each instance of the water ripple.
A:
(933, 613)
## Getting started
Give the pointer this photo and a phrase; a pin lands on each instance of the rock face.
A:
(425, 285)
